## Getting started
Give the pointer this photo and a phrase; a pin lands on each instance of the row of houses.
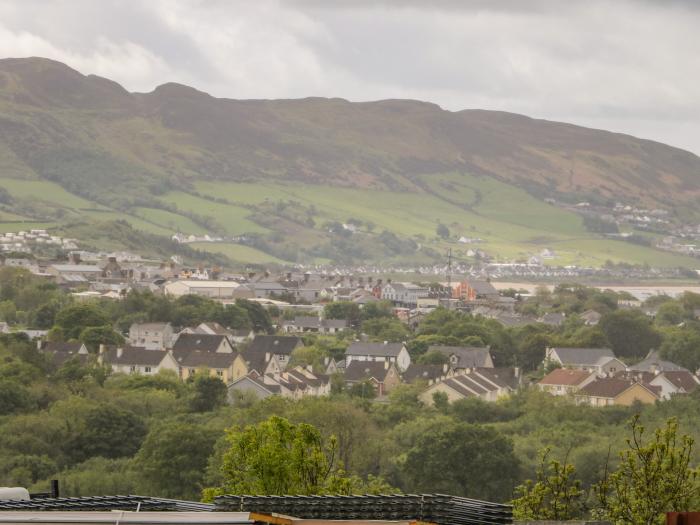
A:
(594, 376)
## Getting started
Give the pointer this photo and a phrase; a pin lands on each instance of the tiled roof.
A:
(565, 377)
(198, 358)
(375, 349)
(682, 379)
(134, 355)
(582, 356)
(611, 387)
(273, 344)
(186, 343)
(361, 370)
(422, 372)
(653, 362)
(467, 356)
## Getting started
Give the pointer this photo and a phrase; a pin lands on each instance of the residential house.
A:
(383, 375)
(315, 325)
(607, 391)
(264, 348)
(565, 381)
(602, 361)
(391, 352)
(488, 384)
(152, 336)
(61, 352)
(215, 344)
(429, 374)
(552, 319)
(462, 358)
(217, 364)
(675, 382)
(300, 382)
(653, 363)
(251, 385)
(242, 335)
(591, 317)
(137, 360)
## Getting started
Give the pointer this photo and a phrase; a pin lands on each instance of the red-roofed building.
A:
(563, 381)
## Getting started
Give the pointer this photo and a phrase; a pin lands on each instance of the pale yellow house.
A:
(608, 391)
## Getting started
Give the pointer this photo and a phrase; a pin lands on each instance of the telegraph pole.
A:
(449, 277)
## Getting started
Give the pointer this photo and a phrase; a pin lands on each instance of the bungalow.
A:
(607, 391)
(391, 352)
(602, 361)
(151, 336)
(564, 381)
(137, 360)
(383, 376)
(462, 358)
(654, 364)
(488, 384)
(315, 325)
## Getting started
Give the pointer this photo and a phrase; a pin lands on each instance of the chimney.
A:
(386, 342)
(75, 258)
(120, 352)
(267, 356)
(112, 259)
(386, 365)
(102, 349)
(39, 344)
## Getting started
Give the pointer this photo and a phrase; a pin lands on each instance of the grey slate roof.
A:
(375, 349)
(467, 356)
(582, 356)
(362, 370)
(198, 358)
(653, 362)
(273, 344)
(203, 342)
(134, 355)
(422, 372)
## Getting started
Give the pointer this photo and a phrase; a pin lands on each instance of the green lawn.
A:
(237, 252)
(24, 226)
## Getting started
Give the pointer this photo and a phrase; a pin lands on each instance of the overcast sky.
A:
(624, 65)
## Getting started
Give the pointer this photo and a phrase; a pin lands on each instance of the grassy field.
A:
(45, 191)
(233, 219)
(237, 252)
(172, 221)
(512, 223)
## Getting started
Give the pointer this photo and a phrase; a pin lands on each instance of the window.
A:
(220, 373)
(132, 368)
(147, 369)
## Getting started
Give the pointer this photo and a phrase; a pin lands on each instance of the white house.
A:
(392, 352)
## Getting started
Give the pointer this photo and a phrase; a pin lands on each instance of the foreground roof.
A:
(583, 356)
(565, 376)
(375, 349)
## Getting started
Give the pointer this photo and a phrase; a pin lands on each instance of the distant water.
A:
(640, 292)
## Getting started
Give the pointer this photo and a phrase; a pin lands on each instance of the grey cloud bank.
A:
(631, 66)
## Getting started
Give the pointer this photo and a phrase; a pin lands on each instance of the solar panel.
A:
(434, 508)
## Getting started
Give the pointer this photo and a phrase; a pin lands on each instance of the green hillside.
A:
(277, 179)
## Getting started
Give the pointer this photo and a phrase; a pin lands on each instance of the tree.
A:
(14, 397)
(279, 457)
(343, 310)
(554, 495)
(208, 393)
(670, 313)
(630, 333)
(682, 346)
(442, 231)
(653, 477)
(173, 458)
(487, 463)
(259, 318)
(94, 336)
(108, 432)
(386, 329)
(74, 319)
